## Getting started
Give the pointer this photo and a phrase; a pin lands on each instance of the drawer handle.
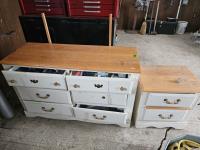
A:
(92, 11)
(91, 6)
(174, 102)
(103, 97)
(76, 86)
(42, 1)
(56, 84)
(123, 88)
(42, 97)
(48, 110)
(98, 86)
(167, 117)
(12, 81)
(99, 118)
(41, 9)
(91, 2)
(34, 81)
(43, 5)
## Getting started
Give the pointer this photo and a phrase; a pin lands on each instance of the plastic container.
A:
(181, 27)
(5, 109)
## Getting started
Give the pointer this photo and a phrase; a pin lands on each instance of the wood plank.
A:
(169, 79)
(81, 57)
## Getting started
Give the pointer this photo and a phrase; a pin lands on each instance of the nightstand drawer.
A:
(164, 115)
(76, 83)
(100, 114)
(50, 108)
(36, 77)
(172, 100)
(44, 95)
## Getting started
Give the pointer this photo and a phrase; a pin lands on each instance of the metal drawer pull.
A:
(48, 110)
(43, 5)
(91, 2)
(42, 97)
(90, 11)
(98, 86)
(76, 86)
(99, 118)
(123, 88)
(167, 117)
(56, 84)
(103, 97)
(34, 81)
(92, 6)
(42, 1)
(38, 9)
(12, 81)
(172, 102)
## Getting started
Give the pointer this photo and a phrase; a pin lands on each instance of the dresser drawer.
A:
(44, 95)
(76, 83)
(36, 77)
(172, 100)
(164, 115)
(50, 108)
(118, 99)
(93, 114)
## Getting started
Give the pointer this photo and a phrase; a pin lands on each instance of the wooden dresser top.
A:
(80, 57)
(169, 79)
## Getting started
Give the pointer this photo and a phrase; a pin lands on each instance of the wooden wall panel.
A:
(168, 8)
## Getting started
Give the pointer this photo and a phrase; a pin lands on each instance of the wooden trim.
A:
(167, 108)
(46, 28)
(110, 30)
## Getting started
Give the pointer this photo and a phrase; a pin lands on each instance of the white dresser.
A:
(166, 97)
(53, 90)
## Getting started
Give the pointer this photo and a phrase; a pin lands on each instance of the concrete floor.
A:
(23, 133)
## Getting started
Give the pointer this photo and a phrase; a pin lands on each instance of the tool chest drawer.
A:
(49, 7)
(94, 8)
(164, 115)
(44, 95)
(172, 100)
(99, 98)
(36, 77)
(100, 114)
(50, 108)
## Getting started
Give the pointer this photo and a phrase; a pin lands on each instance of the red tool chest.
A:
(49, 7)
(93, 8)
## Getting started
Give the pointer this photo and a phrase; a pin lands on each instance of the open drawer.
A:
(99, 114)
(101, 81)
(36, 77)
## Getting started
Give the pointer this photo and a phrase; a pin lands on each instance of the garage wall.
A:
(190, 12)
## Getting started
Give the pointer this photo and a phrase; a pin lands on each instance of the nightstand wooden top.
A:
(80, 57)
(169, 79)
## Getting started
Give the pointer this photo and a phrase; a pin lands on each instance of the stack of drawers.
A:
(167, 97)
(49, 7)
(61, 94)
(95, 8)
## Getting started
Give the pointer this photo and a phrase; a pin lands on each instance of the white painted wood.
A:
(90, 97)
(13, 78)
(164, 115)
(100, 116)
(172, 100)
(48, 108)
(82, 83)
(44, 95)
(118, 99)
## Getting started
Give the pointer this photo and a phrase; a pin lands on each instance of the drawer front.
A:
(90, 98)
(50, 81)
(173, 100)
(44, 95)
(100, 116)
(118, 99)
(87, 84)
(164, 115)
(13, 79)
(50, 108)
(122, 85)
